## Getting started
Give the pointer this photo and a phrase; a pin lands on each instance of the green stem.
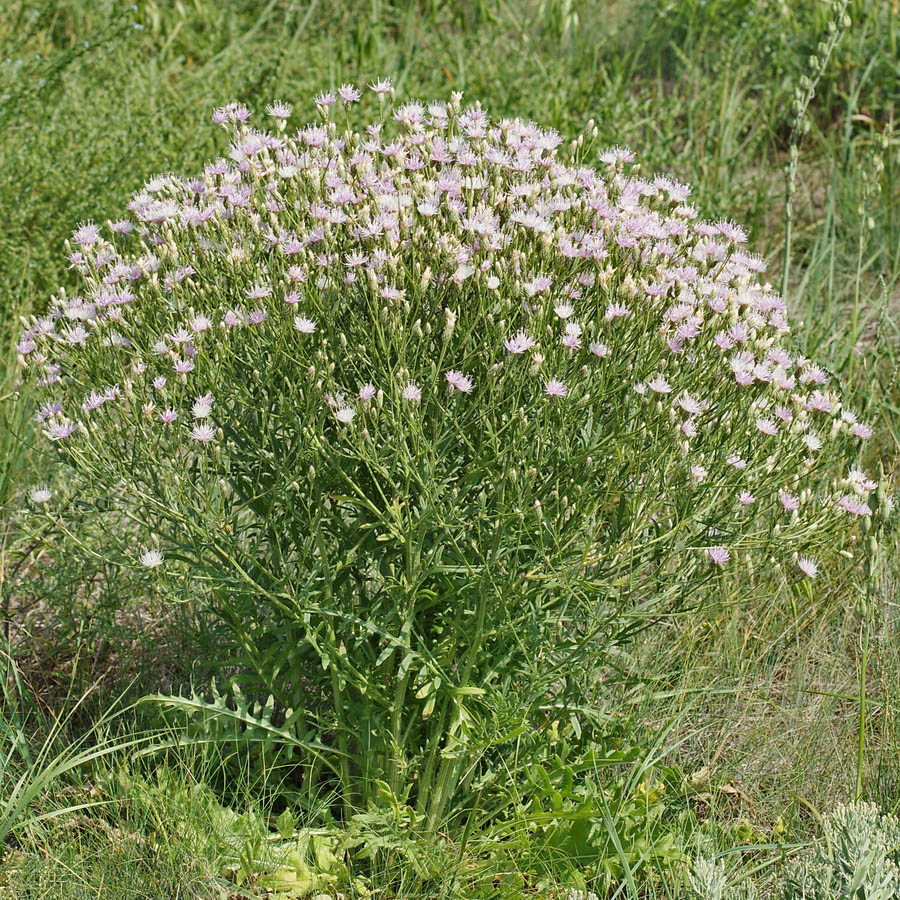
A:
(448, 767)
(863, 670)
(855, 320)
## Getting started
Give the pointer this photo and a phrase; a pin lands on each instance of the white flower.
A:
(151, 558)
(40, 494)
(345, 414)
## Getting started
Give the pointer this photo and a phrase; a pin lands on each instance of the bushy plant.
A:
(432, 413)
(858, 857)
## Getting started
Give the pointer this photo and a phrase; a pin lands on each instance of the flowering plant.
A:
(429, 412)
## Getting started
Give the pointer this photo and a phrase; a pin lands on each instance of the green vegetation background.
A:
(759, 693)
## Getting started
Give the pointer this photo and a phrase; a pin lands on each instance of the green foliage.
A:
(857, 856)
(90, 104)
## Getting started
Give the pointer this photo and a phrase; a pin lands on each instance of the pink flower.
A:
(766, 426)
(691, 406)
(183, 366)
(601, 351)
(279, 110)
(168, 416)
(521, 343)
(459, 382)
(718, 555)
(854, 505)
(659, 385)
(862, 431)
(615, 311)
(789, 501)
(59, 431)
(348, 93)
(746, 498)
(555, 388)
(412, 392)
(367, 391)
(807, 566)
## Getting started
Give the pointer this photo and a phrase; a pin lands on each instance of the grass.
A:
(759, 694)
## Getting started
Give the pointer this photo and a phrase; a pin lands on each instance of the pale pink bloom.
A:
(94, 401)
(699, 473)
(766, 426)
(860, 481)
(736, 461)
(77, 335)
(59, 431)
(292, 298)
(601, 351)
(159, 382)
(279, 110)
(555, 388)
(348, 93)
(615, 311)
(691, 406)
(538, 286)
(571, 340)
(457, 381)
(659, 385)
(854, 505)
(382, 86)
(809, 567)
(746, 498)
(304, 325)
(820, 402)
(168, 416)
(718, 555)
(183, 366)
(86, 235)
(688, 428)
(862, 431)
(200, 324)
(257, 317)
(203, 433)
(412, 392)
(564, 310)
(233, 318)
(181, 336)
(789, 501)
(367, 391)
(521, 343)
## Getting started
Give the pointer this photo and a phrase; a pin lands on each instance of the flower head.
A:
(40, 494)
(718, 555)
(555, 388)
(458, 382)
(152, 559)
(519, 344)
